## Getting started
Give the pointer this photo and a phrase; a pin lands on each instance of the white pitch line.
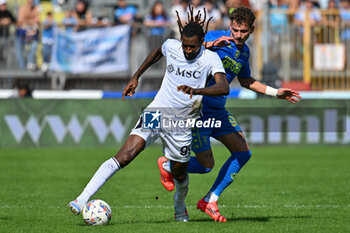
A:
(292, 206)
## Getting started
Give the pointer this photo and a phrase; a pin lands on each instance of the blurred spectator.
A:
(197, 6)
(56, 6)
(47, 40)
(258, 5)
(212, 11)
(100, 21)
(6, 19)
(27, 34)
(157, 21)
(294, 4)
(124, 13)
(179, 6)
(331, 21)
(226, 10)
(316, 3)
(279, 20)
(83, 15)
(279, 31)
(233, 4)
(315, 16)
(324, 3)
(344, 6)
(23, 90)
(69, 21)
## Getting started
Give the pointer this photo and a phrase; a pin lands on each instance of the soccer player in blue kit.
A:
(234, 53)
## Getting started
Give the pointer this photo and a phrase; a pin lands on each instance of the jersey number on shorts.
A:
(185, 150)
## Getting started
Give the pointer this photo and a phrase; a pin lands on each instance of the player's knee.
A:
(209, 165)
(206, 159)
(180, 177)
(243, 157)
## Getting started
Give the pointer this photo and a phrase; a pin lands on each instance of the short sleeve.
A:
(165, 47)
(245, 71)
(216, 64)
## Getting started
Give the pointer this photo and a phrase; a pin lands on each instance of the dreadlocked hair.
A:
(243, 15)
(195, 24)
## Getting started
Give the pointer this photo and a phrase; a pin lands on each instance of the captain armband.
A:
(271, 91)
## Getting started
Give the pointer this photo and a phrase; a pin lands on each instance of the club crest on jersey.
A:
(238, 53)
(188, 73)
(170, 68)
(151, 120)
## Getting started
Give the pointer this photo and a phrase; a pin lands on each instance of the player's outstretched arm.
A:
(282, 93)
(221, 87)
(152, 58)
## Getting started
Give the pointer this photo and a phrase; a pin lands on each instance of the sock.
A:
(211, 197)
(195, 167)
(179, 197)
(229, 170)
(105, 171)
(166, 166)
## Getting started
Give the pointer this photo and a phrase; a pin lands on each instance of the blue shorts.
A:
(201, 136)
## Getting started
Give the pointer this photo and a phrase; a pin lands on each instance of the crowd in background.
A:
(30, 30)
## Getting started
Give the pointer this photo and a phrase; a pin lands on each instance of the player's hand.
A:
(187, 90)
(288, 94)
(130, 88)
(220, 42)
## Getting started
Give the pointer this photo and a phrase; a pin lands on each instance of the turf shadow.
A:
(252, 219)
(264, 218)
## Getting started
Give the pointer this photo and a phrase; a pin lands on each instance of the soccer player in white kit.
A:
(189, 67)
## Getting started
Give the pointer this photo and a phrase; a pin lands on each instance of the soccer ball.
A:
(97, 212)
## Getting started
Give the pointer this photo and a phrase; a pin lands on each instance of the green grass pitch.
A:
(281, 189)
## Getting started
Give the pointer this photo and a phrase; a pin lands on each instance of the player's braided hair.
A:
(195, 24)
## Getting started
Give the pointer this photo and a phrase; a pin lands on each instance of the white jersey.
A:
(179, 71)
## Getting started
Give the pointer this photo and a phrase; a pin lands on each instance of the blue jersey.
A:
(235, 62)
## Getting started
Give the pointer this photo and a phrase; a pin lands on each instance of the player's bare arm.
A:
(220, 42)
(281, 93)
(152, 58)
(220, 88)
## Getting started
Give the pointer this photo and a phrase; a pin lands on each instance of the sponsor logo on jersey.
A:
(172, 56)
(231, 64)
(188, 73)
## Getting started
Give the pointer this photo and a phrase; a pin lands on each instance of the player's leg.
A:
(240, 154)
(135, 143)
(131, 148)
(181, 180)
(202, 163)
(177, 149)
(230, 134)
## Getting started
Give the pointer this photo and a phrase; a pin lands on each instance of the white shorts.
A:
(176, 145)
